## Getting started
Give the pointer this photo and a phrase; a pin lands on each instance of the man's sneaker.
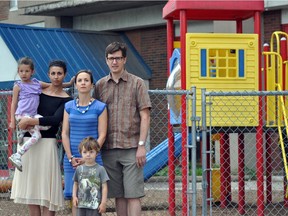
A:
(15, 159)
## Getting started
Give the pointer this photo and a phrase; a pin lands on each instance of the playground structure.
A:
(221, 62)
(227, 62)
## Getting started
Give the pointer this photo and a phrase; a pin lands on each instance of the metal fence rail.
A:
(244, 170)
(234, 160)
(156, 197)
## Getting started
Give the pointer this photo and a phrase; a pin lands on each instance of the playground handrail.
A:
(274, 65)
(282, 105)
(277, 35)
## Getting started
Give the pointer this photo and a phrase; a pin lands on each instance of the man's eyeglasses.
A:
(118, 59)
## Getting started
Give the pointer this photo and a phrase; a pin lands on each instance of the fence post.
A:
(194, 152)
(10, 132)
(204, 153)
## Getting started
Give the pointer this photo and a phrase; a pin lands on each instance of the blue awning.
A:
(80, 50)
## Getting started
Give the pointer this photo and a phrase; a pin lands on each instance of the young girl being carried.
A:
(25, 102)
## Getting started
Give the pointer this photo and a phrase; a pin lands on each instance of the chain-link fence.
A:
(245, 154)
(227, 156)
(156, 172)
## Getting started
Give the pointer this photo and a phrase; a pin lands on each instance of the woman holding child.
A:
(40, 183)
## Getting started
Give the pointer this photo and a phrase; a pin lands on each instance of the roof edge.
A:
(49, 7)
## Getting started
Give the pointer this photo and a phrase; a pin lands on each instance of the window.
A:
(38, 24)
(222, 63)
(13, 5)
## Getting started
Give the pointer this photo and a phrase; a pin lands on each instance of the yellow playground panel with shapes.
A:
(225, 62)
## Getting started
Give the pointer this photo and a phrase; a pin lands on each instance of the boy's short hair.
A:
(89, 143)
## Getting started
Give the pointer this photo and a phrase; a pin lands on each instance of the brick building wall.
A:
(272, 22)
(4, 10)
(151, 45)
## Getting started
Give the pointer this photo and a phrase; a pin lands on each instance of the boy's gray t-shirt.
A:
(90, 180)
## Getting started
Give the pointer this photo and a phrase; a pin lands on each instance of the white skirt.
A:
(40, 182)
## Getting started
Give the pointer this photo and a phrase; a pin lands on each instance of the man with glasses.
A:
(124, 153)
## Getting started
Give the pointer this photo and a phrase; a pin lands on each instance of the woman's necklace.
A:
(87, 108)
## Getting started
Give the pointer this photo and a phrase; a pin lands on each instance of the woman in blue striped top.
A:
(83, 116)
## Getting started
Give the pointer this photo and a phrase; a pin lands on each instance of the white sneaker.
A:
(15, 159)
(20, 140)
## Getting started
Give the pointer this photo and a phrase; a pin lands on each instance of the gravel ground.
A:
(156, 202)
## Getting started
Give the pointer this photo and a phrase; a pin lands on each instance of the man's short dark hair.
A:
(116, 46)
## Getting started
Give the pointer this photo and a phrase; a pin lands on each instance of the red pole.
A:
(239, 26)
(171, 147)
(266, 48)
(224, 165)
(228, 170)
(241, 174)
(268, 135)
(241, 154)
(260, 170)
(283, 53)
(268, 168)
(259, 129)
(222, 170)
(183, 31)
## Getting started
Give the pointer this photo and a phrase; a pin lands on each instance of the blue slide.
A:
(157, 158)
